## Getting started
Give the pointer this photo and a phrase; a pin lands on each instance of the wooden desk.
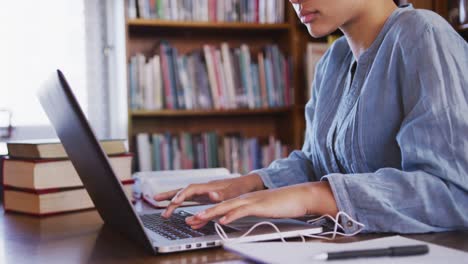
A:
(82, 238)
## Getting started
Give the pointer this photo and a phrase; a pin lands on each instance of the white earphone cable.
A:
(222, 234)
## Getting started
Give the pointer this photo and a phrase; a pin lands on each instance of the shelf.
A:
(140, 23)
(199, 113)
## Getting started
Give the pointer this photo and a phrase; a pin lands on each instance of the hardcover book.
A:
(51, 201)
(47, 174)
(53, 149)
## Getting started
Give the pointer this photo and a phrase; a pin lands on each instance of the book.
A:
(209, 78)
(53, 149)
(206, 150)
(52, 201)
(259, 11)
(148, 184)
(143, 152)
(47, 174)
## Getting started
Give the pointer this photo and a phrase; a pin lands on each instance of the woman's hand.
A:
(214, 191)
(292, 201)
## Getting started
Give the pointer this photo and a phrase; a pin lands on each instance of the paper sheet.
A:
(296, 252)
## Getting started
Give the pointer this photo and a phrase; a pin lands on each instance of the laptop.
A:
(148, 228)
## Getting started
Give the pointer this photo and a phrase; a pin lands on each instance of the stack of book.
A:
(211, 78)
(246, 11)
(238, 154)
(38, 178)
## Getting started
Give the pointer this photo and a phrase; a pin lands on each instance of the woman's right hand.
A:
(214, 191)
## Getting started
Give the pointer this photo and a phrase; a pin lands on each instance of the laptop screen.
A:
(88, 158)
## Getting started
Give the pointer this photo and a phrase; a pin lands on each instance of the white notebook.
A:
(297, 253)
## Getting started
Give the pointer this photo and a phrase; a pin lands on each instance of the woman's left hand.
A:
(286, 202)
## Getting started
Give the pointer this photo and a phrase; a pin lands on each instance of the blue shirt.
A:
(393, 141)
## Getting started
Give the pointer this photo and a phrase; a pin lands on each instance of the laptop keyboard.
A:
(175, 227)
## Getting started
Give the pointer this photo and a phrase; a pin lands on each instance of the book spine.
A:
(178, 82)
(246, 70)
(227, 63)
(175, 88)
(215, 55)
(133, 83)
(184, 82)
(269, 79)
(211, 76)
(166, 77)
(262, 80)
(132, 9)
(157, 81)
(206, 98)
(149, 86)
(155, 150)
(190, 66)
(241, 100)
(255, 85)
(144, 152)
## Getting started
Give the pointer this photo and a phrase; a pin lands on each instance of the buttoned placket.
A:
(342, 112)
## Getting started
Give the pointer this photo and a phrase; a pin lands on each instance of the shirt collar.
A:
(370, 52)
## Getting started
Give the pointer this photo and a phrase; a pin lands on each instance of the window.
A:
(37, 38)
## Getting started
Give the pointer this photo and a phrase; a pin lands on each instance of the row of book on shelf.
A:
(210, 78)
(39, 179)
(206, 150)
(246, 11)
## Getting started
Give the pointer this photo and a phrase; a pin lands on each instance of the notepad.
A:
(296, 252)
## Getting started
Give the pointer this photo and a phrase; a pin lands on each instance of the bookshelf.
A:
(194, 113)
(164, 24)
(285, 123)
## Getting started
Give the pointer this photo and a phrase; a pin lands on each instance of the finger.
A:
(220, 209)
(190, 191)
(184, 194)
(224, 194)
(239, 212)
(175, 202)
(194, 220)
(199, 225)
(166, 195)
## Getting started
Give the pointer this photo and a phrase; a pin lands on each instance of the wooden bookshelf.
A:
(285, 123)
(161, 24)
(195, 113)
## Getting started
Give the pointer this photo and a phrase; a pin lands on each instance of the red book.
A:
(212, 10)
(51, 201)
(215, 59)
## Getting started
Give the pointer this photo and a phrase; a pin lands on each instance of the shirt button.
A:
(349, 224)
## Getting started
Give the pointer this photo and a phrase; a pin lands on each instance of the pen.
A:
(379, 252)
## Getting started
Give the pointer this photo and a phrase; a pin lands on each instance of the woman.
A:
(387, 128)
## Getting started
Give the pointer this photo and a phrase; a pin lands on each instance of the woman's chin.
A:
(317, 31)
